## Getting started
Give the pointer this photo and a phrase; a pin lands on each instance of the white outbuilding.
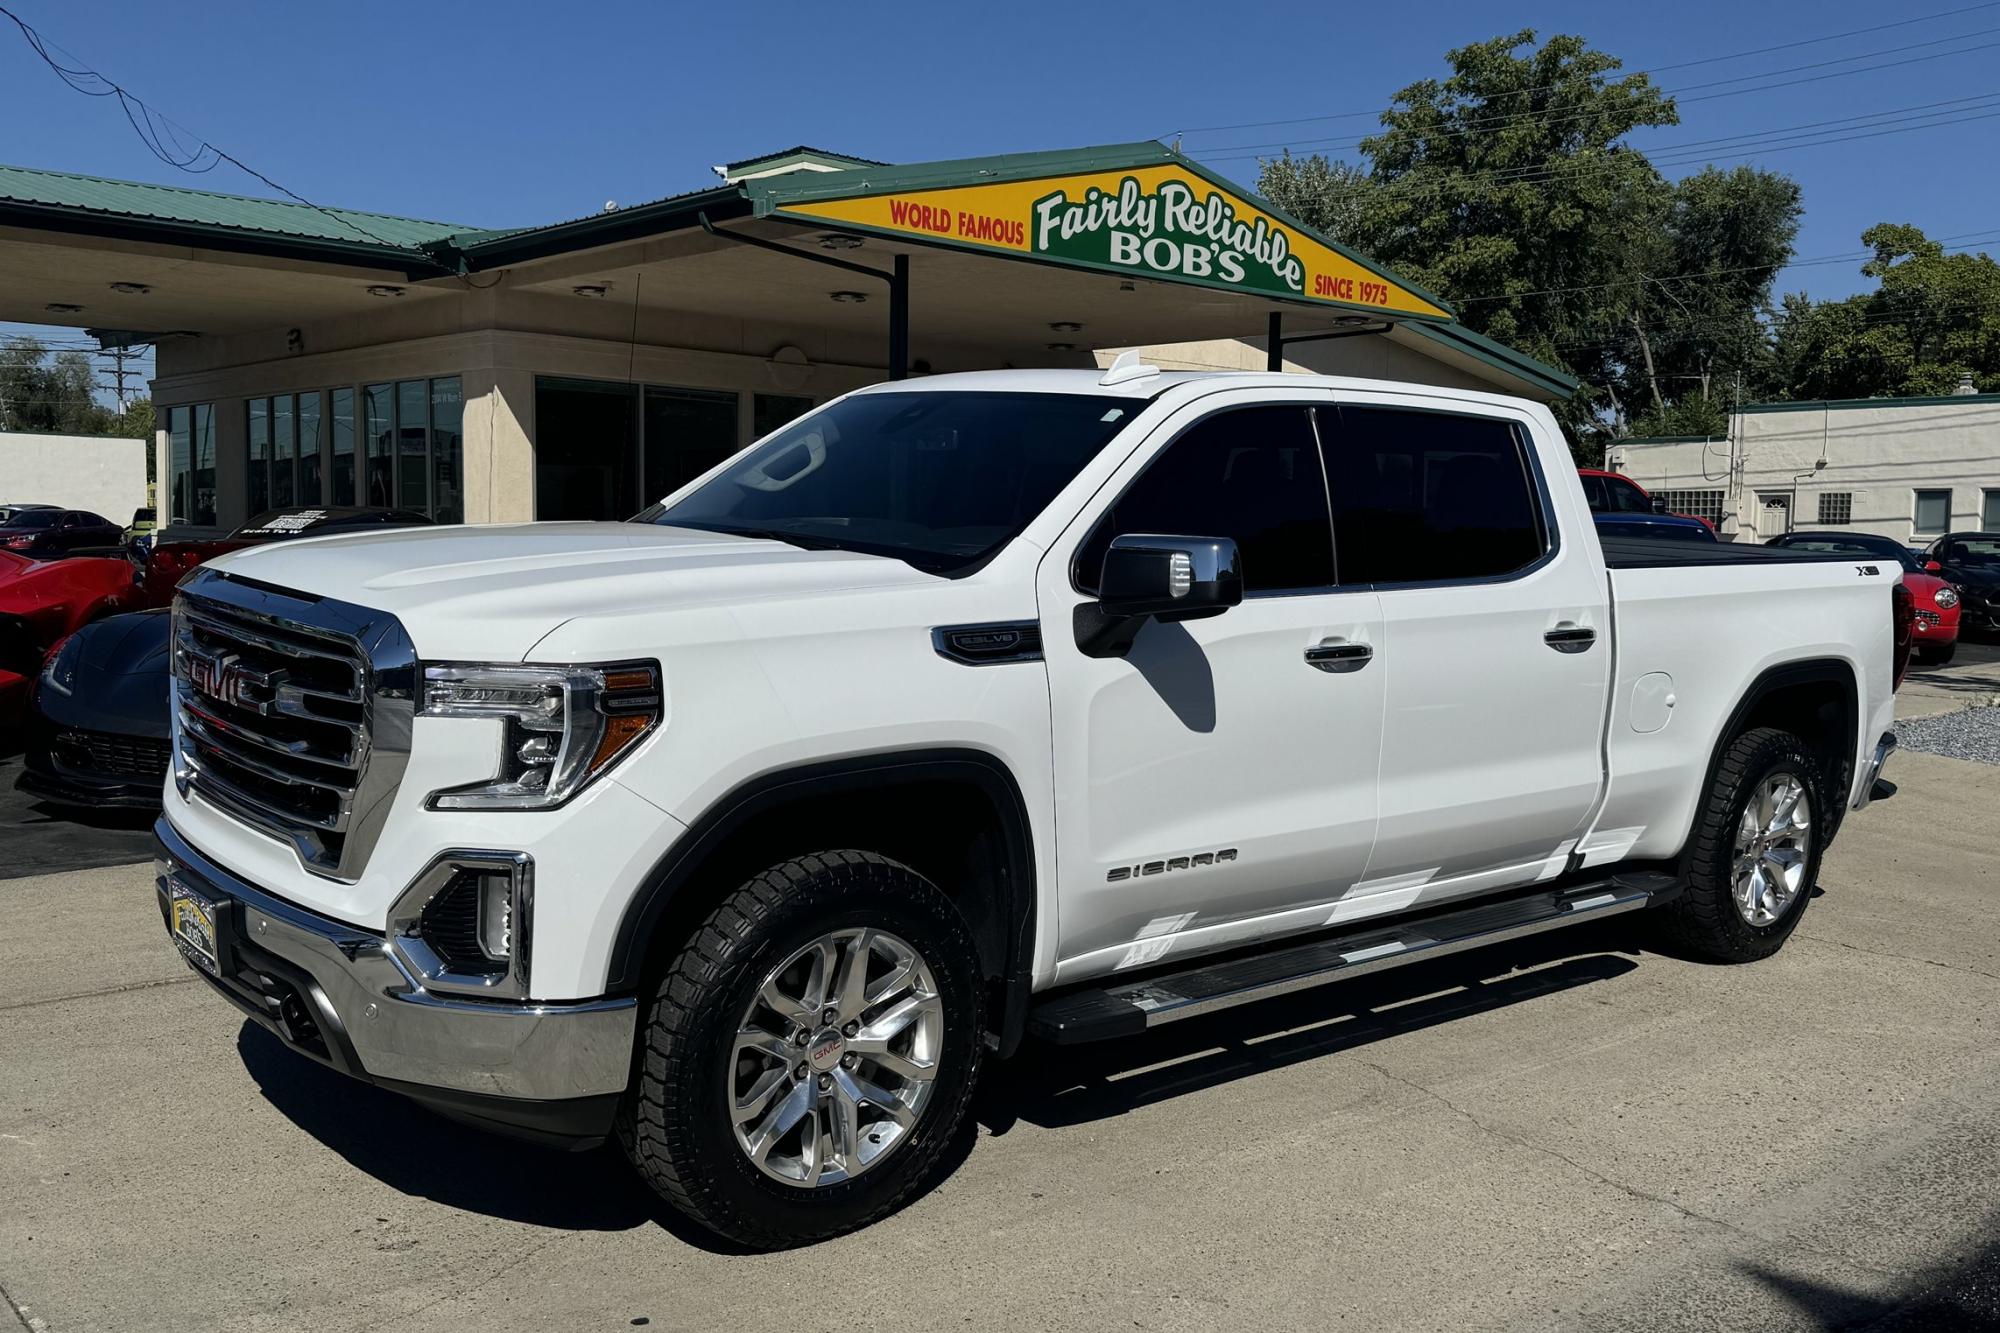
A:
(1908, 468)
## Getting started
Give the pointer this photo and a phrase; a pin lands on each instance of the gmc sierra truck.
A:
(1060, 703)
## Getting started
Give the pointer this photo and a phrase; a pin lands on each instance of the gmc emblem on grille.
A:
(225, 679)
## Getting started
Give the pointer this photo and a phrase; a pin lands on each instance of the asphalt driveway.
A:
(1577, 1134)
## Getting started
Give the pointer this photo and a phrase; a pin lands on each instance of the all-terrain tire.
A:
(1704, 920)
(676, 1125)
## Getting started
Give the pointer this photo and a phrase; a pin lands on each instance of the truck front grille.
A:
(291, 713)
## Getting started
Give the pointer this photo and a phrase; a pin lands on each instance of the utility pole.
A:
(118, 371)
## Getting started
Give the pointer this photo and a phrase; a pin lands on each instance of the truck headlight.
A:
(1946, 599)
(561, 725)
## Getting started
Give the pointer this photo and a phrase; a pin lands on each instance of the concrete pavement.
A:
(1576, 1133)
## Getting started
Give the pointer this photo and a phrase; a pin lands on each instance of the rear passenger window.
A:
(1425, 496)
(1252, 475)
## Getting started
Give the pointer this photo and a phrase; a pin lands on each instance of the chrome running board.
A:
(1125, 1007)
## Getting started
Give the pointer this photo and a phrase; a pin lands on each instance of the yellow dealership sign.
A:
(1160, 221)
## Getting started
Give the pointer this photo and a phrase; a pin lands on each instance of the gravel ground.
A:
(1969, 733)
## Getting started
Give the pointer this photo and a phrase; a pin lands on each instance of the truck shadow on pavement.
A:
(426, 1156)
(1056, 1086)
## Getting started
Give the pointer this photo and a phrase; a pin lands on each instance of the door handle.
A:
(1339, 655)
(1569, 637)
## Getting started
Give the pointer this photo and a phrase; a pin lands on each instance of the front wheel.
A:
(1930, 655)
(1756, 850)
(810, 1054)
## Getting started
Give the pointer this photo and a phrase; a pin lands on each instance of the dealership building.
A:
(580, 370)
(1909, 468)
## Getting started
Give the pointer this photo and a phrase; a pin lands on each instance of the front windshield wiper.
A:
(798, 539)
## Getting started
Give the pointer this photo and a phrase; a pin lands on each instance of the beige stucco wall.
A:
(102, 474)
(1879, 455)
(1372, 356)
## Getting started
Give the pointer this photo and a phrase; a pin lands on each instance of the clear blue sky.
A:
(504, 113)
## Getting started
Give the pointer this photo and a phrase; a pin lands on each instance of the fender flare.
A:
(685, 859)
(1807, 671)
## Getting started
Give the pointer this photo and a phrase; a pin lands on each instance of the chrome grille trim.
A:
(291, 713)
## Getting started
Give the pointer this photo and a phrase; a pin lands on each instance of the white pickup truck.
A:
(1055, 703)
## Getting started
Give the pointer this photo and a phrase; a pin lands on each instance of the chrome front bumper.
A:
(337, 993)
(1864, 789)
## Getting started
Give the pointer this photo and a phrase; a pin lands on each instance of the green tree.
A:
(1510, 188)
(136, 422)
(1932, 319)
(43, 393)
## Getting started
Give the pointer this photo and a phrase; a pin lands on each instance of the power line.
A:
(1845, 257)
(1481, 123)
(1416, 184)
(1655, 69)
(151, 126)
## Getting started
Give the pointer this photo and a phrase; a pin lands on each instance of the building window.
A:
(603, 449)
(1695, 504)
(1836, 507)
(769, 411)
(191, 464)
(415, 447)
(1989, 511)
(685, 432)
(1933, 514)
(283, 444)
(342, 470)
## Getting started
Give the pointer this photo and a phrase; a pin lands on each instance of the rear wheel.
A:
(1756, 851)
(810, 1054)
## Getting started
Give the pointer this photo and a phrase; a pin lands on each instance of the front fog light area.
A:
(561, 725)
(463, 925)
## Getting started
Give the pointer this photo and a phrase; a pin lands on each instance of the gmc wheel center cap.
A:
(826, 1049)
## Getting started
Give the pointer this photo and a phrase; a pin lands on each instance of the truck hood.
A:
(492, 592)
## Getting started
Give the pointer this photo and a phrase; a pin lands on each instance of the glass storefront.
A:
(605, 450)
(191, 464)
(301, 448)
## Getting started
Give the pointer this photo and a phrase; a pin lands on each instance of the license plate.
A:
(191, 920)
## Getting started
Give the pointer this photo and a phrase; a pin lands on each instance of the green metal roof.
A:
(799, 153)
(167, 203)
(95, 205)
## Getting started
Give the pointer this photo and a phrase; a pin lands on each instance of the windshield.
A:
(34, 518)
(1614, 495)
(1973, 550)
(941, 480)
(1885, 549)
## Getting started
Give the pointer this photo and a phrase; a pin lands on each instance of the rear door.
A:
(1495, 640)
(1213, 785)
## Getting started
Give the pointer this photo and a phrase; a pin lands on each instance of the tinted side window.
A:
(1251, 474)
(1422, 496)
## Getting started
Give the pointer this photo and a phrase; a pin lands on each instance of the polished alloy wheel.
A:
(1773, 844)
(835, 1057)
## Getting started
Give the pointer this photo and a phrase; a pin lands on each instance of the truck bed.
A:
(1679, 552)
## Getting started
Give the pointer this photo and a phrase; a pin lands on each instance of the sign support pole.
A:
(899, 319)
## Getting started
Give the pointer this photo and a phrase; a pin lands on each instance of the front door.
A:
(1212, 784)
(1495, 647)
(1774, 514)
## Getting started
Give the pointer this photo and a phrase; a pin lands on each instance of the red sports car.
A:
(1934, 600)
(43, 602)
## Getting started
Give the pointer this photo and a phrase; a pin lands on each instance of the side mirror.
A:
(1932, 567)
(1659, 504)
(1148, 576)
